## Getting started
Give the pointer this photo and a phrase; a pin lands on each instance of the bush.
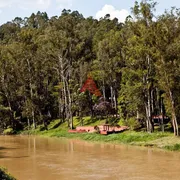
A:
(42, 128)
(8, 131)
(4, 175)
(175, 147)
(132, 123)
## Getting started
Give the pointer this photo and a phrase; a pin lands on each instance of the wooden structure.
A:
(104, 129)
(159, 119)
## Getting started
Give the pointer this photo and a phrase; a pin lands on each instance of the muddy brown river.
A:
(37, 158)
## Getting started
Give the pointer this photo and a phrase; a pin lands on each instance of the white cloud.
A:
(114, 13)
(64, 4)
(5, 3)
(37, 4)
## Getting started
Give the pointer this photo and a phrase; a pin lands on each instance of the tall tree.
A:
(167, 44)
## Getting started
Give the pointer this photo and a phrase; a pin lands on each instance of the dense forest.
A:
(134, 67)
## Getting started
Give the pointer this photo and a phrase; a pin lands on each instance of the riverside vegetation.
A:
(131, 137)
(133, 68)
(4, 175)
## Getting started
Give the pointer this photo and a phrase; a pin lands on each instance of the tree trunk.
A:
(91, 104)
(70, 107)
(61, 66)
(149, 97)
(147, 118)
(162, 113)
(33, 118)
(28, 121)
(31, 93)
(64, 67)
(173, 110)
(112, 104)
(11, 114)
(103, 89)
(115, 103)
(174, 118)
(149, 122)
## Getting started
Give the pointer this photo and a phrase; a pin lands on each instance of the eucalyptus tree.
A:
(27, 63)
(167, 36)
(138, 74)
(106, 58)
(9, 80)
(8, 32)
(111, 61)
(38, 20)
(62, 46)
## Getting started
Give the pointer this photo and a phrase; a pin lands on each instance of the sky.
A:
(9, 9)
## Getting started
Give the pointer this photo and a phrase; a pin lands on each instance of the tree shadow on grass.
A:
(91, 120)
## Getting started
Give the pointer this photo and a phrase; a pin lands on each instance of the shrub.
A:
(132, 123)
(42, 128)
(175, 147)
(8, 131)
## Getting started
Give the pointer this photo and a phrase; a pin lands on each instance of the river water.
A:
(37, 158)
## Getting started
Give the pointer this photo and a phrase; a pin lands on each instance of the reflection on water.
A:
(35, 158)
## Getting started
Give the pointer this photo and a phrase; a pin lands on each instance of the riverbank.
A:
(157, 139)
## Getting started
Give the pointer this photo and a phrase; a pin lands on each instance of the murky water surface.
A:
(35, 158)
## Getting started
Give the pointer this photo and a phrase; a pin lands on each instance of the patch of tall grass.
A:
(174, 147)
